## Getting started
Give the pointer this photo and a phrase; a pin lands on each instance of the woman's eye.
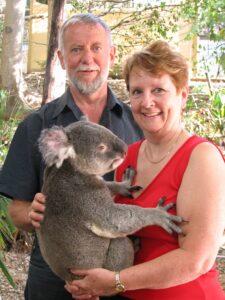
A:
(135, 92)
(158, 90)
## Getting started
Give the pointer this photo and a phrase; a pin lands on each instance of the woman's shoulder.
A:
(207, 151)
(207, 160)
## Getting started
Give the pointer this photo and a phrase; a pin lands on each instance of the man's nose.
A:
(87, 57)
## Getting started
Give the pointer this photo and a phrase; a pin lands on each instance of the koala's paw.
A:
(129, 174)
(168, 223)
(128, 177)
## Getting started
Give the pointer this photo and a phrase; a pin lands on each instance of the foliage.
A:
(6, 272)
(205, 114)
(7, 229)
(7, 128)
(208, 19)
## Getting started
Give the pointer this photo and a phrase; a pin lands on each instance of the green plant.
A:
(207, 19)
(205, 114)
(218, 111)
(7, 230)
(7, 129)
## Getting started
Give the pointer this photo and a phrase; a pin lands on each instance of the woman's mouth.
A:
(151, 115)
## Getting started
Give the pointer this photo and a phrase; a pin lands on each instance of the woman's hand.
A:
(37, 208)
(96, 282)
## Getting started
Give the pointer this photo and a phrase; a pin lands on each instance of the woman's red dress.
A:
(155, 241)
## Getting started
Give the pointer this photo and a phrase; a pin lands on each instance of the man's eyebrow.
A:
(76, 46)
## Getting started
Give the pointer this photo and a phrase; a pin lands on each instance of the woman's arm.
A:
(201, 202)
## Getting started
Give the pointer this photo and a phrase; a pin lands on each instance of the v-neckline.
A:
(163, 168)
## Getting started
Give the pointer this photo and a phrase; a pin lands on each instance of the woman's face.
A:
(155, 102)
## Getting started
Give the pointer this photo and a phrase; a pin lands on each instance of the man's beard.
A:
(88, 88)
(91, 87)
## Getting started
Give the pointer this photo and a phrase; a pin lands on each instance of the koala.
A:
(82, 226)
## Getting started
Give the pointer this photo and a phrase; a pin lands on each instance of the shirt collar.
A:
(66, 101)
(113, 103)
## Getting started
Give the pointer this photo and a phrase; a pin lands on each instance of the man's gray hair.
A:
(85, 18)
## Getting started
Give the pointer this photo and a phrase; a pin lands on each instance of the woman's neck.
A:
(157, 149)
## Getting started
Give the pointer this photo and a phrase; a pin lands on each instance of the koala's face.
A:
(92, 148)
(97, 149)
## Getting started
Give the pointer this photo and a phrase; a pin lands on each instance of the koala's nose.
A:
(124, 154)
(121, 148)
(125, 148)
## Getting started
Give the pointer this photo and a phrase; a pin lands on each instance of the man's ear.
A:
(54, 146)
(112, 55)
(61, 59)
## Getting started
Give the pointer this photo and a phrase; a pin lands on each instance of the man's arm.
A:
(27, 215)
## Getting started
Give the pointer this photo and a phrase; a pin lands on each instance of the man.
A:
(86, 53)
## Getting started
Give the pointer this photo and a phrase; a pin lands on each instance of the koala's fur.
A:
(82, 226)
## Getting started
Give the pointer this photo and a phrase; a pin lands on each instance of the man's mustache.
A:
(87, 68)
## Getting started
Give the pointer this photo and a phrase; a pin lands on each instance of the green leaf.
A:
(6, 273)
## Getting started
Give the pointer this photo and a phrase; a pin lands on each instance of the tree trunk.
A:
(54, 81)
(12, 55)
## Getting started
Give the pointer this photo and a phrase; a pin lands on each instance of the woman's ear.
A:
(184, 95)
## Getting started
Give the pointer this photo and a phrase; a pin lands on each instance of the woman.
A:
(188, 170)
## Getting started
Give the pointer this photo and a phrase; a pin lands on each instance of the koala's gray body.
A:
(82, 226)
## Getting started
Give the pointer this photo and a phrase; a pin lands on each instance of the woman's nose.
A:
(147, 100)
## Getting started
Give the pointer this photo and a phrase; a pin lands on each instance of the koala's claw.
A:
(129, 174)
(161, 201)
(131, 189)
(126, 187)
(170, 226)
(130, 196)
(166, 207)
(135, 188)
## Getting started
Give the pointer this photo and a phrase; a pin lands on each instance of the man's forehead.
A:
(86, 27)
(92, 33)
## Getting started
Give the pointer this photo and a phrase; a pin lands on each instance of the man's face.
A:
(87, 56)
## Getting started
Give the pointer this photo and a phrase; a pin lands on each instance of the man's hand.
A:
(37, 209)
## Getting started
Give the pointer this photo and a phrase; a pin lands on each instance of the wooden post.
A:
(54, 81)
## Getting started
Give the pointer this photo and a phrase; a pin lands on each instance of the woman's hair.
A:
(83, 18)
(158, 59)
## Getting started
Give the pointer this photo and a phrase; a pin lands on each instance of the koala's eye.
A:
(102, 148)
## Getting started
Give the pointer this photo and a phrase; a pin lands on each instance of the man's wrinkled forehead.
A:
(83, 34)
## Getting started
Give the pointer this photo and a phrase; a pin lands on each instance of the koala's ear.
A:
(54, 146)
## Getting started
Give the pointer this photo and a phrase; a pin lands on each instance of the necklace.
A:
(167, 153)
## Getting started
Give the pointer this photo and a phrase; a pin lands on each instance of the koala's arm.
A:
(120, 220)
(125, 187)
